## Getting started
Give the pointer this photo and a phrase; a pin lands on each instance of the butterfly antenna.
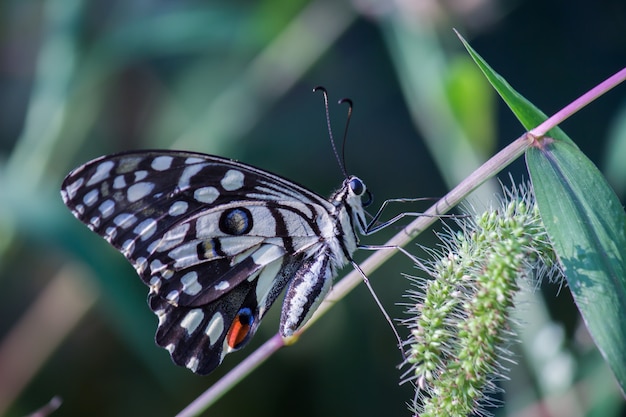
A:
(330, 130)
(345, 132)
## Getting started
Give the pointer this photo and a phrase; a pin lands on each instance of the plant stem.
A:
(579, 103)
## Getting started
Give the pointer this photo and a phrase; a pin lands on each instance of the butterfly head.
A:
(354, 190)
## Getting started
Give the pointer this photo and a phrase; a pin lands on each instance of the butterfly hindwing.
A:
(215, 240)
(199, 337)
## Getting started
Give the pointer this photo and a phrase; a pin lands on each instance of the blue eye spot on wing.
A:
(236, 221)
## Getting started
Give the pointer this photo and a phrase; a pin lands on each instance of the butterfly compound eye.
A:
(357, 186)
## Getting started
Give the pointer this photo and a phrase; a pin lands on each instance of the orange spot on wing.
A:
(238, 332)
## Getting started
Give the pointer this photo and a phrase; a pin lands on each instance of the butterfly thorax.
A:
(349, 216)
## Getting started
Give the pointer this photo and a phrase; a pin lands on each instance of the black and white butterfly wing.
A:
(215, 240)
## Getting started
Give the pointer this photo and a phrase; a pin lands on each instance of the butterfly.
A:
(217, 241)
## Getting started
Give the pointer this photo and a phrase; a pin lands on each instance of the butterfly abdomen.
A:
(306, 290)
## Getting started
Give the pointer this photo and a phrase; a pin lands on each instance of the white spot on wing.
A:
(172, 297)
(161, 163)
(178, 208)
(191, 286)
(72, 189)
(215, 328)
(125, 220)
(110, 233)
(128, 247)
(139, 175)
(119, 182)
(94, 222)
(193, 363)
(155, 266)
(206, 194)
(140, 264)
(107, 208)
(192, 320)
(146, 229)
(155, 284)
(222, 285)
(91, 197)
(233, 180)
(138, 191)
(102, 172)
(190, 171)
(161, 315)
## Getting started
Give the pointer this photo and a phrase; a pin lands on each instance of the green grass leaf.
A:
(523, 109)
(587, 227)
(585, 222)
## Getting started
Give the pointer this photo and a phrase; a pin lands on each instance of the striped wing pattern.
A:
(216, 241)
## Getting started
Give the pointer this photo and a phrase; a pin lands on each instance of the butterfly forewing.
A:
(216, 241)
(133, 199)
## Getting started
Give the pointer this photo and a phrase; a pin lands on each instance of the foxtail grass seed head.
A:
(459, 318)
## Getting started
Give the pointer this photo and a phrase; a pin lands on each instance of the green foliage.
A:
(585, 222)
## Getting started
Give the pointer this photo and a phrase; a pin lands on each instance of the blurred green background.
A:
(79, 79)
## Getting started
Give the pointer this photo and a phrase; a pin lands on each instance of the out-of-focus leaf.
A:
(614, 166)
(473, 102)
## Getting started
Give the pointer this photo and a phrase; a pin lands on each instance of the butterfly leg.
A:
(400, 249)
(366, 281)
(373, 226)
